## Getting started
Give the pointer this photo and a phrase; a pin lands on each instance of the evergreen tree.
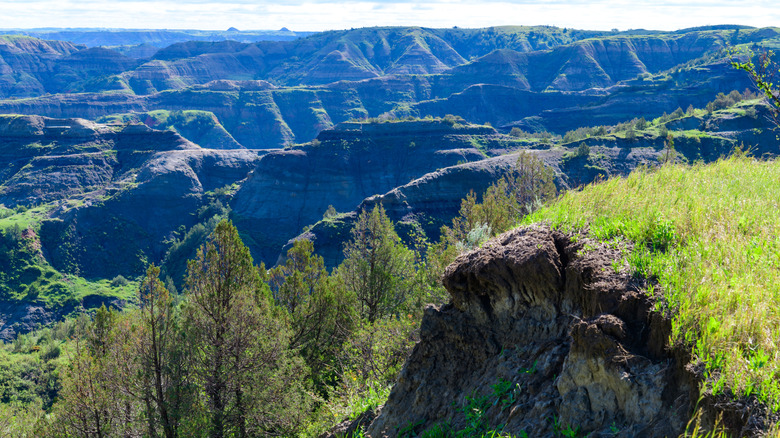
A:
(164, 368)
(93, 401)
(319, 308)
(239, 343)
(378, 268)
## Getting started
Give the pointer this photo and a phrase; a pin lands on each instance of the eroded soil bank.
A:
(548, 337)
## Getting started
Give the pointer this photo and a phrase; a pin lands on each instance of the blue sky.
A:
(326, 14)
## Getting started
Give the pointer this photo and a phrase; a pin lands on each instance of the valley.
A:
(121, 150)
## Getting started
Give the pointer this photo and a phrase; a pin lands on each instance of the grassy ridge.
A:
(710, 235)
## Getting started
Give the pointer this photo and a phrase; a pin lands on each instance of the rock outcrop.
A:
(425, 203)
(432, 200)
(542, 326)
(100, 180)
(292, 188)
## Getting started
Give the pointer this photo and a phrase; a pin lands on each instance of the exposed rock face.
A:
(21, 317)
(427, 202)
(132, 183)
(33, 67)
(534, 78)
(433, 199)
(293, 188)
(156, 38)
(583, 65)
(140, 209)
(578, 342)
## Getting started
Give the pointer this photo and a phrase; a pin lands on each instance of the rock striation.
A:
(292, 188)
(537, 78)
(99, 183)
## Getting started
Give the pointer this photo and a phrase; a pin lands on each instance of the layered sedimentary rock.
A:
(292, 188)
(579, 344)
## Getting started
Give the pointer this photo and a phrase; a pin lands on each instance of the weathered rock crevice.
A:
(580, 343)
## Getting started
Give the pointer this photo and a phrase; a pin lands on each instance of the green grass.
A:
(25, 275)
(81, 287)
(24, 218)
(710, 235)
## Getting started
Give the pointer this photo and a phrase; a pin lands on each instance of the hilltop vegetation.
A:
(706, 240)
(74, 183)
(702, 246)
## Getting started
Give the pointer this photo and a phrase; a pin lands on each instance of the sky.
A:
(318, 15)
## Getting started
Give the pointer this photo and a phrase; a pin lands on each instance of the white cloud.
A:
(328, 14)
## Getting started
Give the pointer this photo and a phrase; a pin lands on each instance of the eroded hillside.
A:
(270, 93)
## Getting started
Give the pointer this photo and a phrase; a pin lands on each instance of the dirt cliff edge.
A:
(542, 327)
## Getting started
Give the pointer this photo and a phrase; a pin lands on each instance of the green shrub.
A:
(583, 150)
(119, 281)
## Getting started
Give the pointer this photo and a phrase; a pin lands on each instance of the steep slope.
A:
(432, 200)
(293, 188)
(259, 116)
(93, 181)
(404, 71)
(199, 127)
(650, 98)
(171, 184)
(33, 67)
(592, 63)
(618, 310)
(319, 59)
(156, 38)
(427, 202)
(25, 61)
(561, 60)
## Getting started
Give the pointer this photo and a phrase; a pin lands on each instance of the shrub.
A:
(51, 352)
(119, 281)
(583, 150)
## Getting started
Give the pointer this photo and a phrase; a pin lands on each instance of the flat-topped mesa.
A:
(419, 127)
(30, 128)
(15, 126)
(576, 341)
(233, 85)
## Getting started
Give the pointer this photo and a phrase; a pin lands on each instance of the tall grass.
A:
(710, 235)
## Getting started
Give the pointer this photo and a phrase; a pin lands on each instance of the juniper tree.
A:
(378, 268)
(238, 342)
(319, 308)
(164, 370)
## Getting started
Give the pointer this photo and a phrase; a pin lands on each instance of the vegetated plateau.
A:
(632, 292)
